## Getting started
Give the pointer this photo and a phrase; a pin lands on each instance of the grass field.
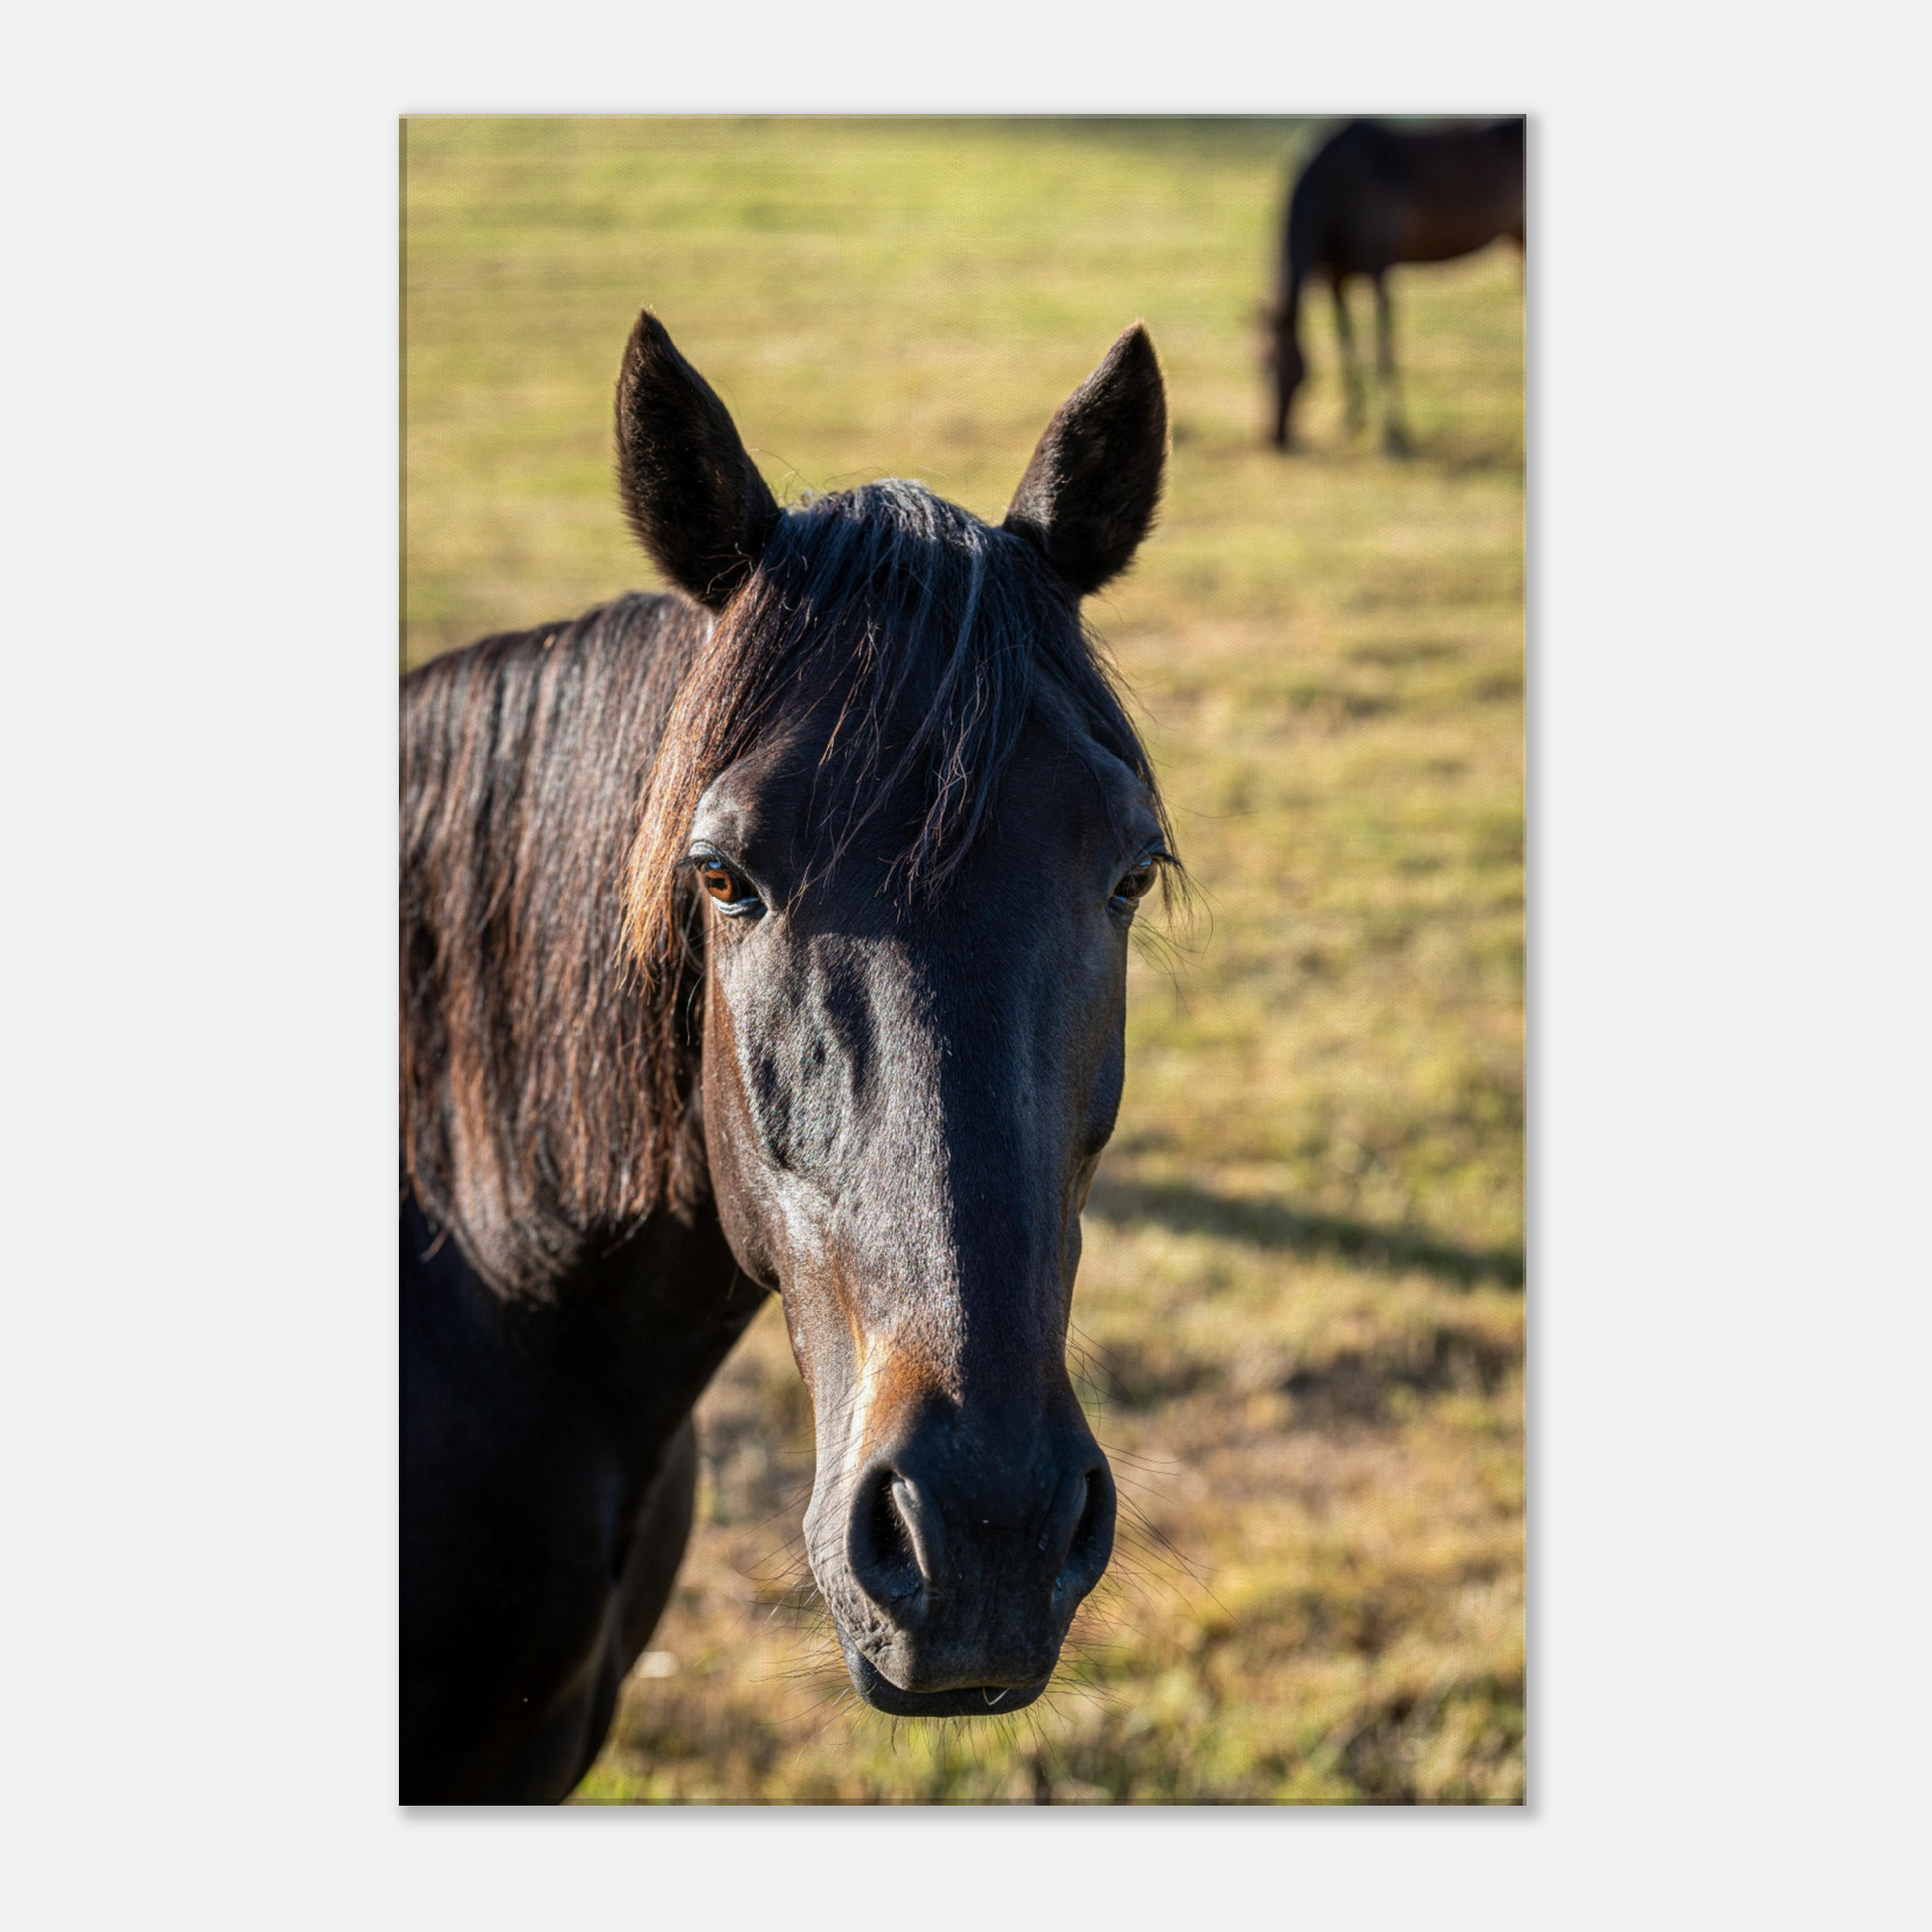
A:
(1299, 1319)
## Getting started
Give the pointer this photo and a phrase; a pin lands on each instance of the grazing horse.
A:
(1372, 197)
(770, 936)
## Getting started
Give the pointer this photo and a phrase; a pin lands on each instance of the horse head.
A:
(897, 834)
(1282, 357)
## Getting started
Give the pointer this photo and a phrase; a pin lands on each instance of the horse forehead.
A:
(1058, 778)
(762, 793)
(1058, 790)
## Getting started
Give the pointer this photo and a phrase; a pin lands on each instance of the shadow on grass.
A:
(1187, 1209)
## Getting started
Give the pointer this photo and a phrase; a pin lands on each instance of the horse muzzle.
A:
(953, 1573)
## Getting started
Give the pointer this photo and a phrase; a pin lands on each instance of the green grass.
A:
(1299, 1316)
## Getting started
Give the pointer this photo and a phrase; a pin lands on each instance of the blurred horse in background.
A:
(1372, 197)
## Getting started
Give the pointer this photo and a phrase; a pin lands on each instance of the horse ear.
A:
(1090, 490)
(691, 492)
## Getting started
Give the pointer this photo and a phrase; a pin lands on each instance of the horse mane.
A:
(530, 1127)
(551, 932)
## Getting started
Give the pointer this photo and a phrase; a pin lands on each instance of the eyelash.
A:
(1140, 875)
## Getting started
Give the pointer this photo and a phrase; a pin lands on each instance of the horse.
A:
(1372, 197)
(765, 936)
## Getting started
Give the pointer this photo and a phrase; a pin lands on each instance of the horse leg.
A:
(1284, 322)
(657, 1550)
(651, 1567)
(1395, 437)
(1351, 373)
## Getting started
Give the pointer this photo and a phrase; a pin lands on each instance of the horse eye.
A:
(725, 885)
(1134, 883)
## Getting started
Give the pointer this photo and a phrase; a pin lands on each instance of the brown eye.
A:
(733, 895)
(1134, 883)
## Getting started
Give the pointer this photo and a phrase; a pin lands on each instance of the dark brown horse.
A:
(770, 936)
(1372, 197)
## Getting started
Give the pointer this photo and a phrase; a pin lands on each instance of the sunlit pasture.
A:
(1299, 1325)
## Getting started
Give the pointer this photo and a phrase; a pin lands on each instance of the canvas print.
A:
(962, 961)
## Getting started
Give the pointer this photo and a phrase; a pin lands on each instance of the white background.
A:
(1728, 806)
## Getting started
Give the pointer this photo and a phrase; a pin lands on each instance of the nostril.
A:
(1092, 1540)
(890, 1537)
(882, 1545)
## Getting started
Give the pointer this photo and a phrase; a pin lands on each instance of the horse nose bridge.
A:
(961, 1164)
(957, 1277)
